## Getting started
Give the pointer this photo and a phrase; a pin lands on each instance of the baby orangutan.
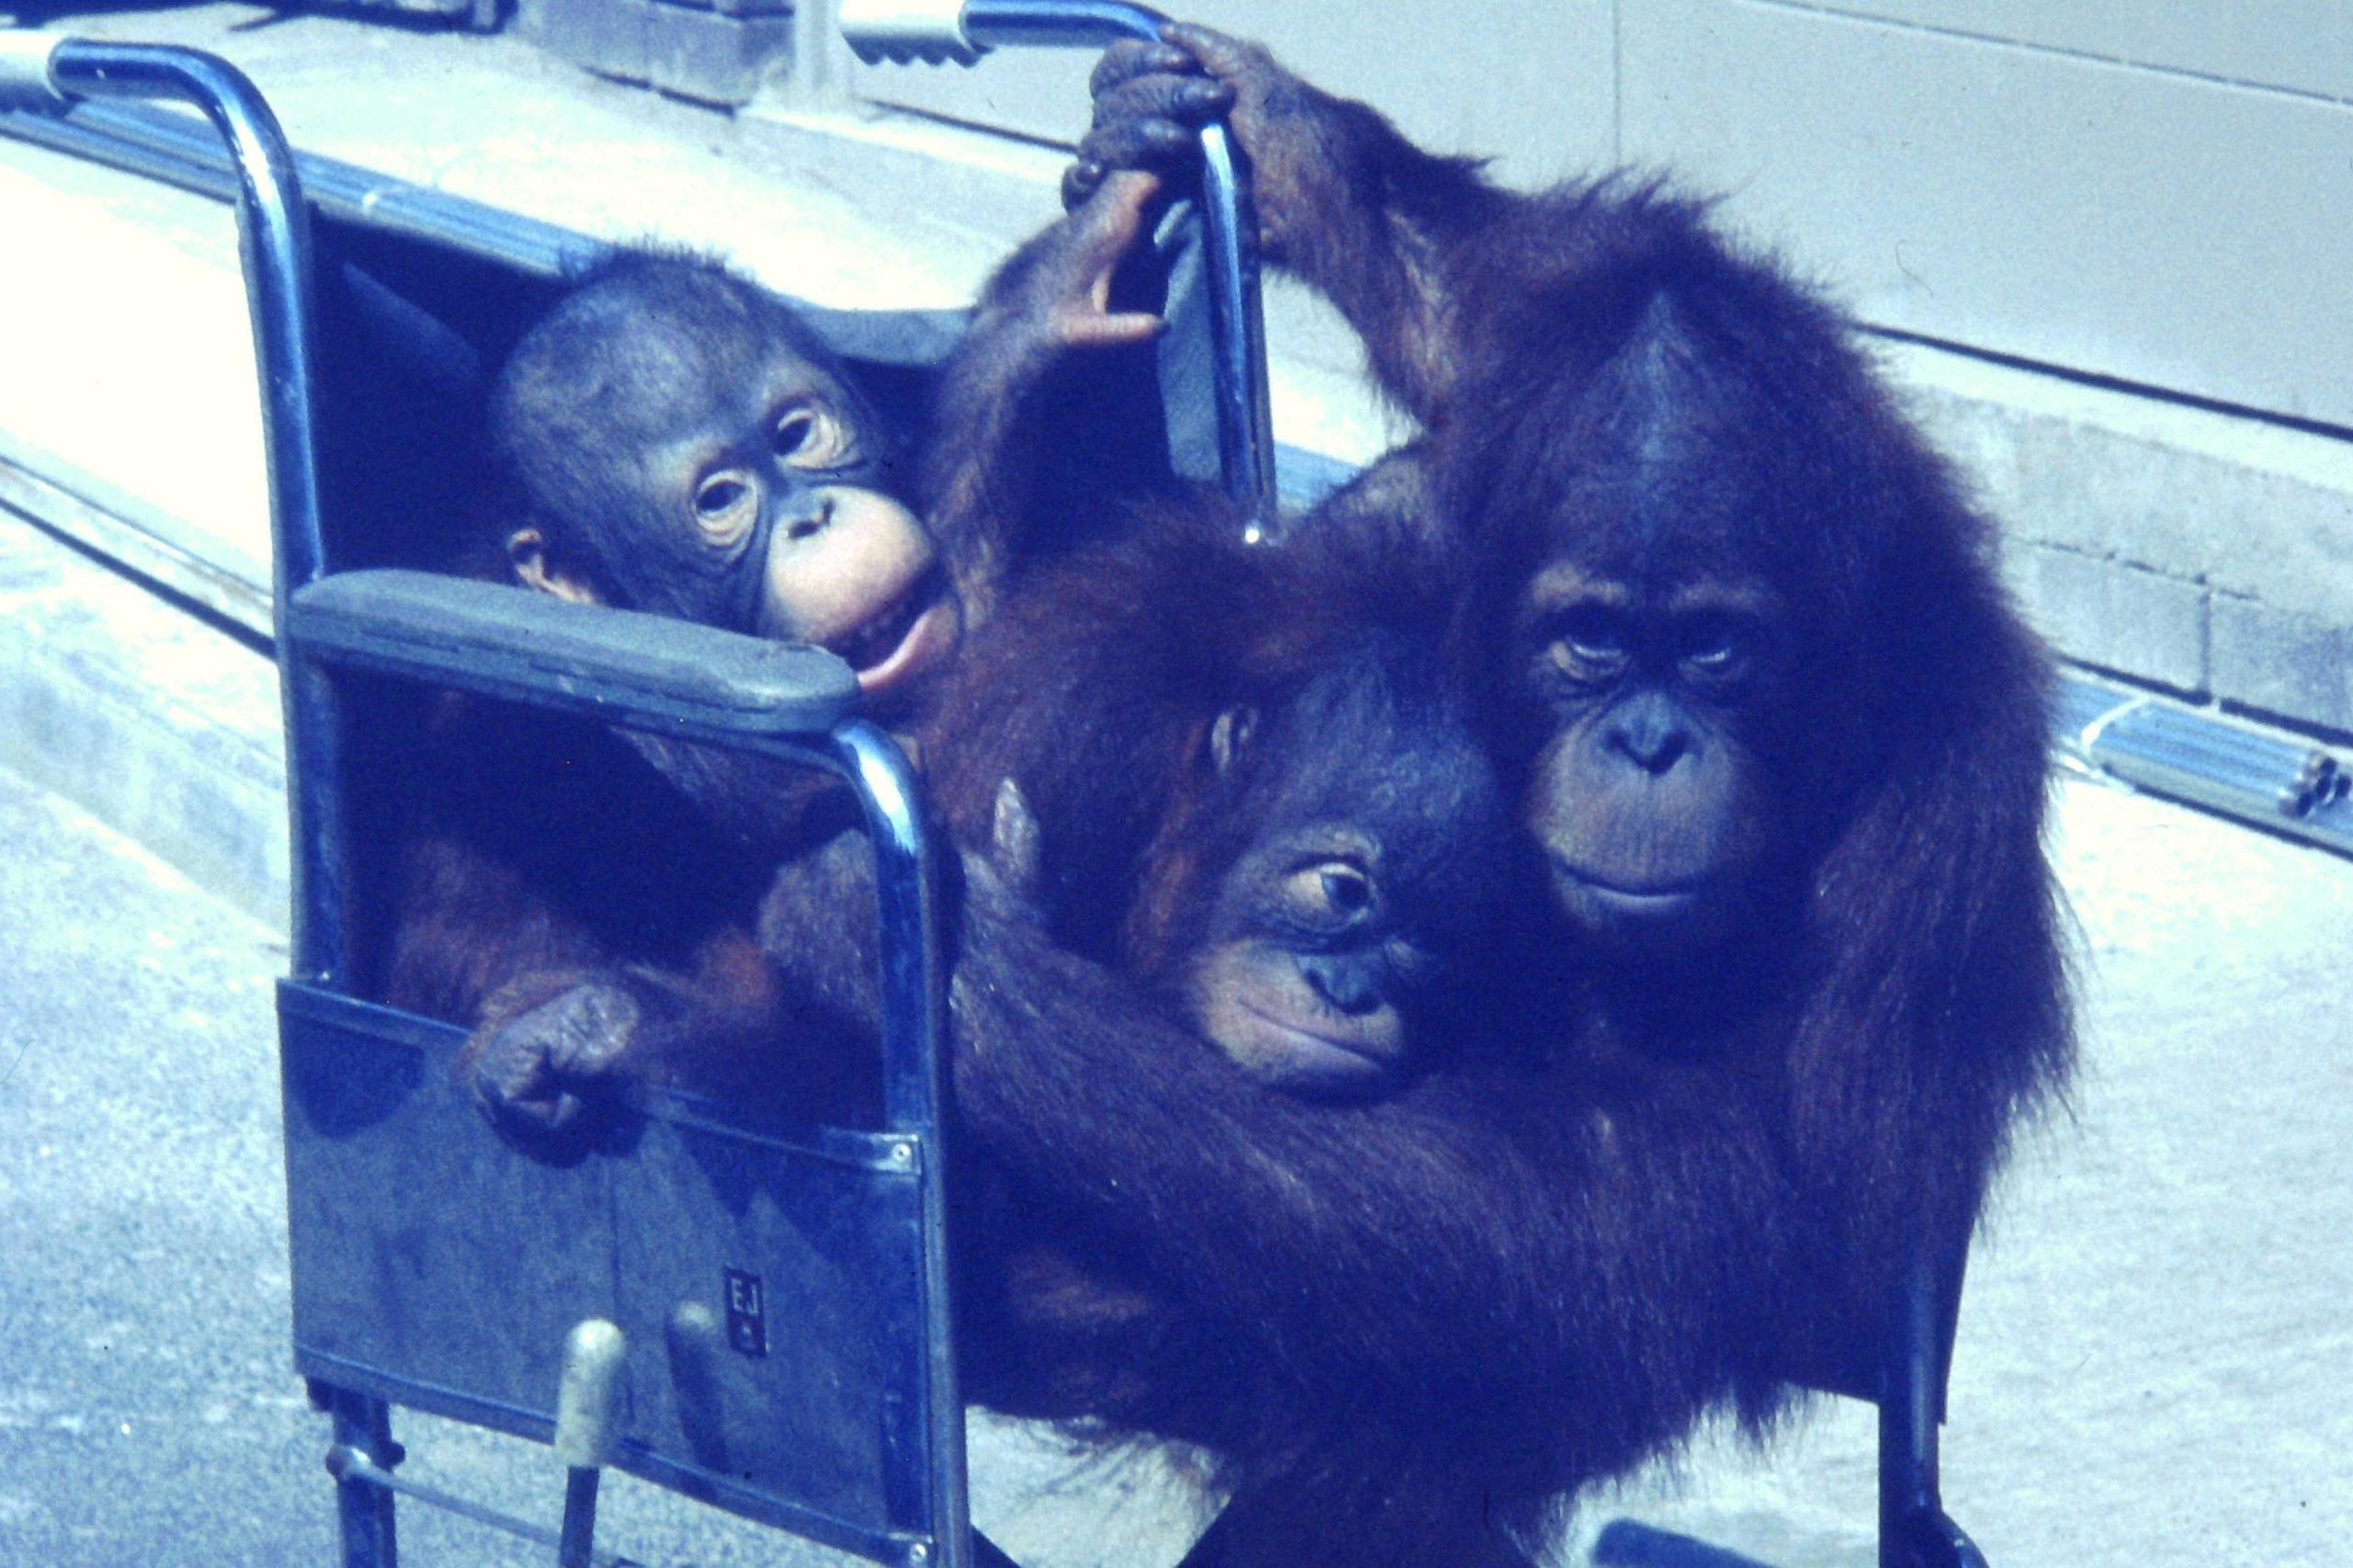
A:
(675, 440)
(672, 439)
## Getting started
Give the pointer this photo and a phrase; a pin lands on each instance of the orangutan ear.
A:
(1230, 734)
(527, 556)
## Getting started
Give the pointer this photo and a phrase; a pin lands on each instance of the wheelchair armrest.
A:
(617, 666)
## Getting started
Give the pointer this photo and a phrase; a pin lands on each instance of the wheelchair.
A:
(752, 1316)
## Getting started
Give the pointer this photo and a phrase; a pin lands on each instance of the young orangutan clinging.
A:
(1781, 743)
(676, 440)
(1259, 799)
(1254, 785)
(1243, 779)
(672, 439)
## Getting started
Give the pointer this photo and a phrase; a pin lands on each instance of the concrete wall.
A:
(2208, 553)
(2150, 193)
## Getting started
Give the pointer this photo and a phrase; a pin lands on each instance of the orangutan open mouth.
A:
(907, 638)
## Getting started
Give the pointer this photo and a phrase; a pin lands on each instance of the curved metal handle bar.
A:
(906, 877)
(273, 242)
(1237, 326)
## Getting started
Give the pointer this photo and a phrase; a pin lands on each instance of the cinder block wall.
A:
(2208, 553)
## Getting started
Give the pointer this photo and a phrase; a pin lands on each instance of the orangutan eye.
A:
(724, 502)
(1329, 891)
(1346, 889)
(1716, 659)
(1715, 652)
(1587, 642)
(810, 435)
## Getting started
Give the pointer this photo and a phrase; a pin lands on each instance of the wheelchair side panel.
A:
(772, 1291)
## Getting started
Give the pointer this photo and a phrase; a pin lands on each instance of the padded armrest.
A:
(513, 644)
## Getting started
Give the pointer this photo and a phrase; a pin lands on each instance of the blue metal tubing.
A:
(914, 1032)
(1914, 1530)
(1907, 1416)
(363, 1426)
(906, 877)
(1237, 328)
(274, 238)
(273, 242)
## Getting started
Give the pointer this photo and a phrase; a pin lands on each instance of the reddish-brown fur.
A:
(1409, 1324)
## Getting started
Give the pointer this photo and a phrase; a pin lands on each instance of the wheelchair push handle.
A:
(26, 76)
(962, 31)
(902, 32)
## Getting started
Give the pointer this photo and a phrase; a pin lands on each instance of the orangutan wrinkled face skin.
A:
(682, 445)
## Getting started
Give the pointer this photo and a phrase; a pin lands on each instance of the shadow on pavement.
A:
(1625, 1544)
